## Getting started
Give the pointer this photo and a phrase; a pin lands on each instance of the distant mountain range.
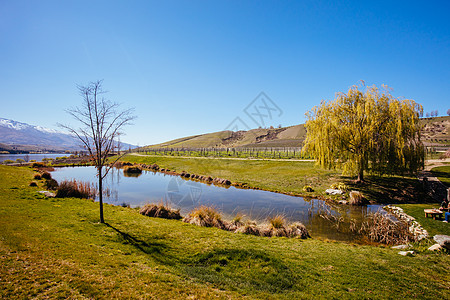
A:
(21, 137)
(435, 133)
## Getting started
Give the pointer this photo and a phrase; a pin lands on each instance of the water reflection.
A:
(186, 194)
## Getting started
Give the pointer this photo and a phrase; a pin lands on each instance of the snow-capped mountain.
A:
(18, 133)
(23, 126)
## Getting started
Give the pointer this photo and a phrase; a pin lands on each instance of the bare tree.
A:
(101, 123)
(448, 111)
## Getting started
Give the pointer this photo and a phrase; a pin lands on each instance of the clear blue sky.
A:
(191, 67)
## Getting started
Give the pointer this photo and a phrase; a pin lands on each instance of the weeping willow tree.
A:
(366, 129)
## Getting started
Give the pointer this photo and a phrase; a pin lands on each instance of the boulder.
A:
(406, 253)
(435, 247)
(400, 247)
(443, 240)
(334, 192)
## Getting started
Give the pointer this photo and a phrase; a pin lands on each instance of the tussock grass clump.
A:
(356, 198)
(380, 228)
(298, 230)
(37, 176)
(33, 183)
(160, 211)
(132, 169)
(76, 189)
(206, 216)
(238, 220)
(249, 228)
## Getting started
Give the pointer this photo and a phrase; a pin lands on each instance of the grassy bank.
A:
(443, 174)
(290, 177)
(56, 248)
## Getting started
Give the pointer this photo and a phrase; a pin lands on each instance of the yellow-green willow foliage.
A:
(366, 129)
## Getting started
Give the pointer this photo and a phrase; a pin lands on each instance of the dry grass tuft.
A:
(277, 222)
(160, 211)
(37, 176)
(206, 216)
(76, 189)
(356, 198)
(33, 183)
(298, 230)
(380, 228)
(132, 169)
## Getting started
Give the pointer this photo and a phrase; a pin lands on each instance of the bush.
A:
(206, 216)
(339, 186)
(160, 211)
(37, 176)
(356, 198)
(19, 160)
(308, 188)
(8, 161)
(76, 189)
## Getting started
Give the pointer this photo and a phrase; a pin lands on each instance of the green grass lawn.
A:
(443, 174)
(56, 248)
(290, 177)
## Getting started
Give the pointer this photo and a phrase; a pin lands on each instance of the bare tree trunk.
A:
(100, 195)
(360, 171)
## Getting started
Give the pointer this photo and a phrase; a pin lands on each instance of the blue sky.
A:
(191, 67)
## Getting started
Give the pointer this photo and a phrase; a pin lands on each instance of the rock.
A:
(48, 194)
(334, 192)
(400, 247)
(443, 240)
(435, 247)
(406, 253)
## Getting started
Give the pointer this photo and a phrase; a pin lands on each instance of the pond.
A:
(32, 156)
(186, 194)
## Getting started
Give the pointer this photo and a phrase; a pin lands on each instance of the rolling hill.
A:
(435, 133)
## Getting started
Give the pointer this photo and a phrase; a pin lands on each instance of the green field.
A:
(290, 177)
(443, 174)
(55, 248)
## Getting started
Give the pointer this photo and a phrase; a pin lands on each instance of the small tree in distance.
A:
(100, 128)
(448, 112)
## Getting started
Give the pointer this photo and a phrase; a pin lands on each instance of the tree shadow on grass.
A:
(153, 248)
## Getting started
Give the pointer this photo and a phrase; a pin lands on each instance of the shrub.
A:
(8, 161)
(339, 186)
(33, 183)
(76, 189)
(206, 216)
(37, 176)
(308, 188)
(46, 175)
(356, 198)
(19, 160)
(160, 211)
(33, 160)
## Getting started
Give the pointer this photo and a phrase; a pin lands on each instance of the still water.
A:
(186, 194)
(36, 157)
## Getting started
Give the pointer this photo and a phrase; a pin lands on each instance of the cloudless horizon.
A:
(193, 67)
